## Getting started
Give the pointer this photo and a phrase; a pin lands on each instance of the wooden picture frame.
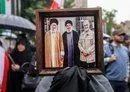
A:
(94, 16)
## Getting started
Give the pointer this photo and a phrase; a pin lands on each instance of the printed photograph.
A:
(69, 41)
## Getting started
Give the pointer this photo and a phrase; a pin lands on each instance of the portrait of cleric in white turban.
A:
(54, 51)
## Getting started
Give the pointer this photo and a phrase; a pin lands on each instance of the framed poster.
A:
(69, 37)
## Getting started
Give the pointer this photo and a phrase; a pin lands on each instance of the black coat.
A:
(15, 78)
(72, 79)
(76, 49)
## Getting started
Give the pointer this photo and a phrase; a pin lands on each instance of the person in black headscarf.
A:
(20, 55)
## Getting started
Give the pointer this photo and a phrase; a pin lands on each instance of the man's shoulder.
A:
(74, 31)
(64, 33)
(47, 32)
(91, 32)
(125, 48)
(108, 46)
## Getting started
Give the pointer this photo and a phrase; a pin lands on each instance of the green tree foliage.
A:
(28, 7)
(109, 16)
(69, 4)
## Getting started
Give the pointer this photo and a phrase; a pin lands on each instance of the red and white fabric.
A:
(4, 67)
(57, 4)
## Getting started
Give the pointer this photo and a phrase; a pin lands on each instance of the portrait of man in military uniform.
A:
(86, 45)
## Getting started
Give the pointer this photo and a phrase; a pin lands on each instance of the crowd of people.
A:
(116, 59)
(66, 50)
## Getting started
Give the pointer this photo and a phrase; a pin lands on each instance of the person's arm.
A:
(108, 57)
(80, 43)
(127, 74)
(61, 50)
(15, 67)
(61, 45)
(128, 67)
(91, 49)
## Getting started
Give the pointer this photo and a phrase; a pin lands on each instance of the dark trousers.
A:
(87, 65)
(128, 87)
(118, 86)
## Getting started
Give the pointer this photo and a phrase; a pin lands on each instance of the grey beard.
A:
(69, 30)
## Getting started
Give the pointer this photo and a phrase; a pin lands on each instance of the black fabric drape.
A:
(72, 79)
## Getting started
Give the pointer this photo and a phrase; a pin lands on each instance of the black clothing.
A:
(76, 79)
(15, 78)
(72, 79)
(76, 53)
(118, 86)
(31, 78)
